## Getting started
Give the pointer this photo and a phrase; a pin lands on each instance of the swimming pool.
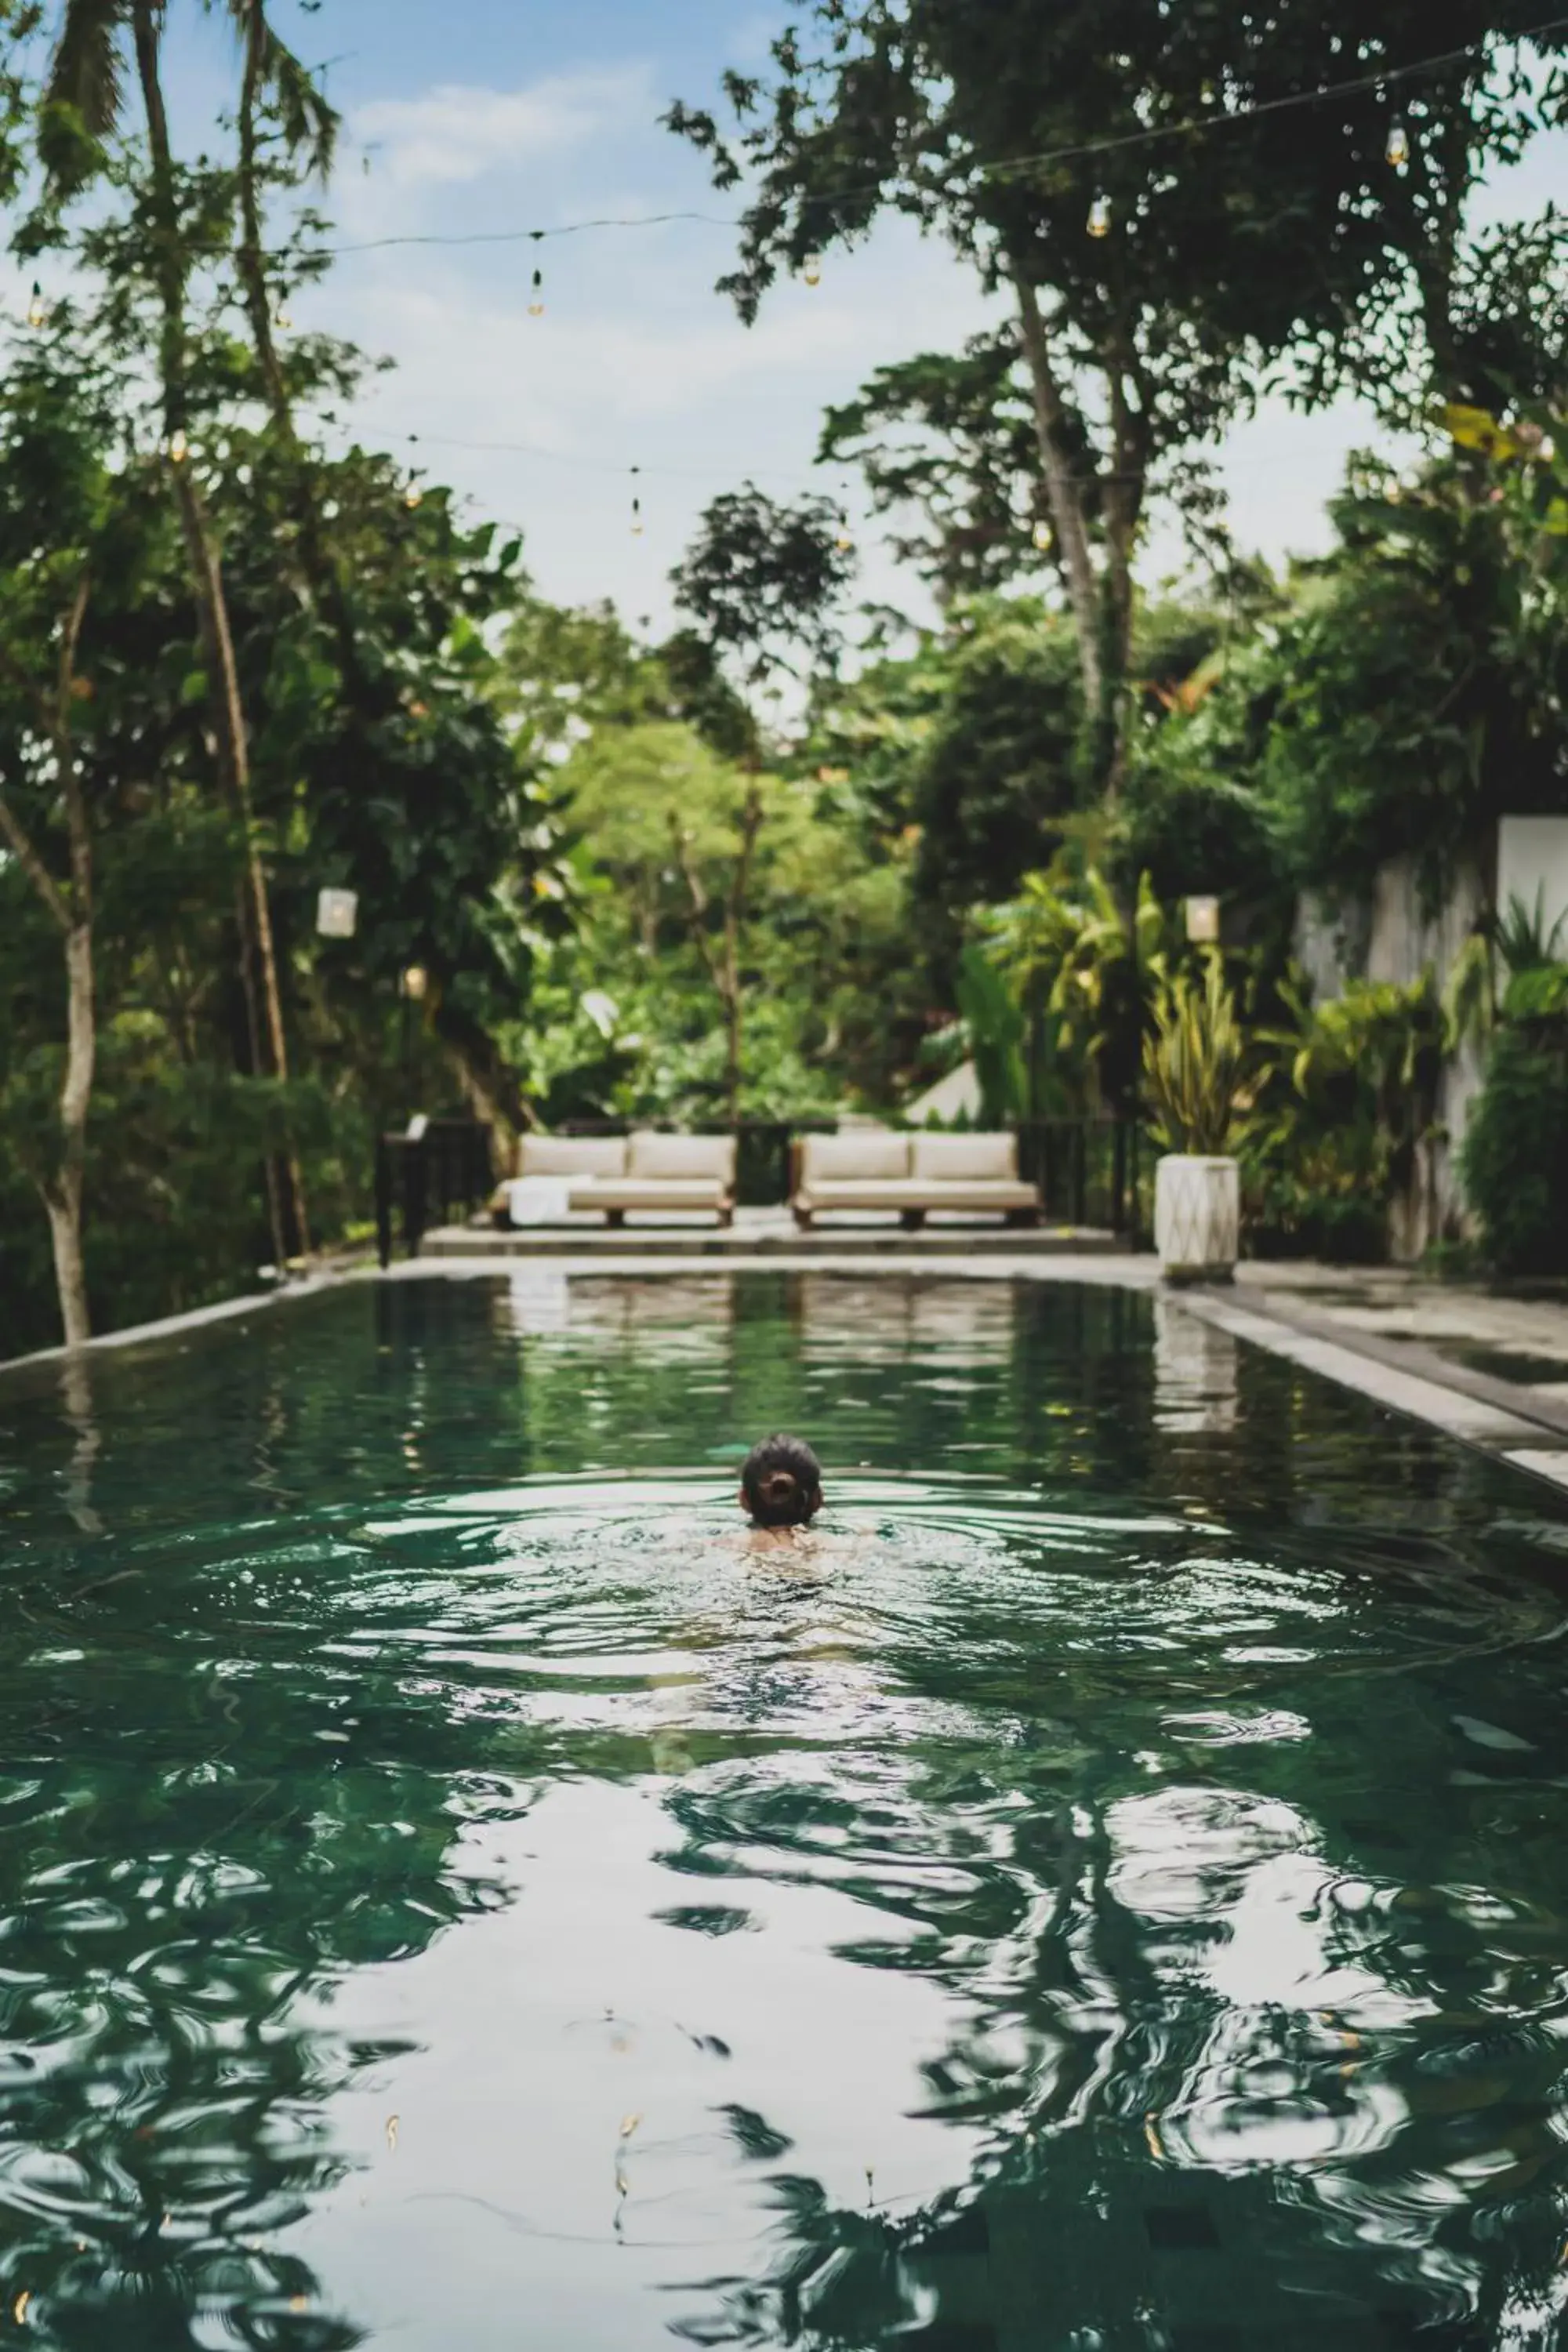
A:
(454, 1895)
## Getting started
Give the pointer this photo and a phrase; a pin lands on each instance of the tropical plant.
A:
(1514, 1158)
(1346, 1113)
(1197, 1065)
(1525, 938)
(995, 1030)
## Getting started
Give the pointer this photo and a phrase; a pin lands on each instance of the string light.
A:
(1398, 151)
(1099, 217)
(845, 542)
(636, 503)
(179, 447)
(1042, 535)
(811, 269)
(1116, 143)
(284, 322)
(413, 497)
(536, 299)
(38, 311)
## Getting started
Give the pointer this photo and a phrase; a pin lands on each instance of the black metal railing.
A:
(438, 1168)
(1092, 1172)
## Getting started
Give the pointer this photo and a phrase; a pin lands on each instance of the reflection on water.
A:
(1106, 1891)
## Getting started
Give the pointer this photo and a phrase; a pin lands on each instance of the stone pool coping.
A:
(1268, 1306)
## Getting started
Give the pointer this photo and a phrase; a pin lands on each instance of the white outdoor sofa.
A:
(612, 1176)
(913, 1174)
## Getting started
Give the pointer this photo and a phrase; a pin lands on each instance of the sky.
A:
(472, 117)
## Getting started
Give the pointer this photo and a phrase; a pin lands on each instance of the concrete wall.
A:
(1533, 866)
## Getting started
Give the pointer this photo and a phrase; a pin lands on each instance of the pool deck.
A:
(766, 1234)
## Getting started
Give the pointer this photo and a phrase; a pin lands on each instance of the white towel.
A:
(540, 1200)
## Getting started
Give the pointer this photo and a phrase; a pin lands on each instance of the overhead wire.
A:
(1378, 78)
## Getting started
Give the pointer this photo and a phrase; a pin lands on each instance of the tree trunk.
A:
(63, 1199)
(1062, 492)
(486, 1079)
(63, 1203)
(206, 574)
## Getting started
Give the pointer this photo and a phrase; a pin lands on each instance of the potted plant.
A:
(1195, 1063)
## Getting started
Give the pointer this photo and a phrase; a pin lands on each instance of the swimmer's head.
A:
(781, 1484)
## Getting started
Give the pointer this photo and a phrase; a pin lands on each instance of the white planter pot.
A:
(1197, 1217)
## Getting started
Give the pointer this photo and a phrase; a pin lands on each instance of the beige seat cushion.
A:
(957, 1158)
(988, 1195)
(683, 1157)
(652, 1193)
(572, 1155)
(855, 1158)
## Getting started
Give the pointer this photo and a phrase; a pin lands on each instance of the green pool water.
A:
(454, 1895)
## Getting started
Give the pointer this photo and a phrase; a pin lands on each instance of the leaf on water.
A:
(629, 2125)
(392, 2134)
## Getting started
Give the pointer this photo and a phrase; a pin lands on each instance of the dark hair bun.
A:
(782, 1482)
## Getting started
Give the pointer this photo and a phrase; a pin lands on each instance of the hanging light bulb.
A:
(284, 322)
(811, 269)
(179, 447)
(38, 311)
(636, 504)
(413, 497)
(845, 542)
(1398, 151)
(536, 299)
(1042, 535)
(1099, 217)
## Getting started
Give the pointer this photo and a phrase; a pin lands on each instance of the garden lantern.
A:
(337, 914)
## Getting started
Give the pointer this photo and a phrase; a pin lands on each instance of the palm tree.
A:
(88, 75)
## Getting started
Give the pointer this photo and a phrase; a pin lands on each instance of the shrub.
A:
(1515, 1155)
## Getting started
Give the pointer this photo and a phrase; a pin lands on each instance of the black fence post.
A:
(383, 1201)
(413, 1181)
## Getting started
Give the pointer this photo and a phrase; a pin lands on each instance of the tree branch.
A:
(32, 865)
(70, 776)
(699, 902)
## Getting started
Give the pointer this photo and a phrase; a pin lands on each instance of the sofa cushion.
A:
(975, 1193)
(865, 1157)
(709, 1192)
(683, 1157)
(572, 1155)
(957, 1158)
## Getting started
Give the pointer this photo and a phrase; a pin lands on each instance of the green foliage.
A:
(997, 771)
(995, 1028)
(1346, 1103)
(762, 582)
(1523, 937)
(1197, 1062)
(948, 449)
(1399, 725)
(1515, 1153)
(1083, 965)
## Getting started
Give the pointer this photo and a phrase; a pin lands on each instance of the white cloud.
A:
(457, 133)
